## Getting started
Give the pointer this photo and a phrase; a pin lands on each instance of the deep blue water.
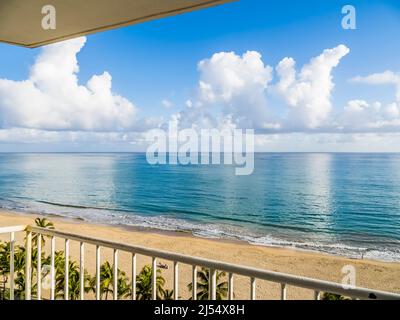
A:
(341, 203)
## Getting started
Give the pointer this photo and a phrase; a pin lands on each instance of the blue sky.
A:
(158, 60)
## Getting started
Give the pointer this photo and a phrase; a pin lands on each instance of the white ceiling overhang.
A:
(21, 20)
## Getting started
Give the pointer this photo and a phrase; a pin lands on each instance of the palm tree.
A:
(106, 278)
(203, 284)
(20, 280)
(19, 260)
(168, 294)
(124, 288)
(19, 268)
(5, 258)
(42, 223)
(19, 263)
(4, 268)
(106, 282)
(144, 284)
(74, 280)
(333, 296)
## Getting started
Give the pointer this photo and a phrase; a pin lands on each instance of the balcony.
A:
(31, 255)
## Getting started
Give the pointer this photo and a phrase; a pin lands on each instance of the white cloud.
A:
(236, 84)
(360, 115)
(308, 93)
(36, 136)
(239, 87)
(189, 103)
(328, 142)
(166, 104)
(52, 98)
(384, 78)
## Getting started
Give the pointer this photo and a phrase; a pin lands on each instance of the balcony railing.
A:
(253, 274)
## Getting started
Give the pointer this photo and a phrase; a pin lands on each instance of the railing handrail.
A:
(12, 229)
(278, 277)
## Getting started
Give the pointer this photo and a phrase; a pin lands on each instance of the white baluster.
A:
(39, 267)
(82, 270)
(12, 249)
(52, 268)
(66, 267)
(253, 289)
(28, 266)
(230, 286)
(97, 272)
(154, 280)
(115, 275)
(176, 280)
(283, 291)
(133, 276)
(194, 282)
(213, 284)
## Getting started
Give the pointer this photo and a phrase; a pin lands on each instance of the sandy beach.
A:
(370, 274)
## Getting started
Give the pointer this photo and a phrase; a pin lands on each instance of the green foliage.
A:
(19, 262)
(106, 283)
(168, 294)
(44, 223)
(143, 279)
(19, 269)
(41, 223)
(144, 284)
(4, 259)
(333, 296)
(124, 287)
(73, 277)
(203, 283)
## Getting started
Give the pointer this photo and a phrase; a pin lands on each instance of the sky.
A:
(286, 69)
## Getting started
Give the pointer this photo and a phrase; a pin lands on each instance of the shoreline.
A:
(378, 275)
(182, 234)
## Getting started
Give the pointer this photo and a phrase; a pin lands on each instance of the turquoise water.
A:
(340, 203)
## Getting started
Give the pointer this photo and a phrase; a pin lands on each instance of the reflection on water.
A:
(331, 202)
(318, 197)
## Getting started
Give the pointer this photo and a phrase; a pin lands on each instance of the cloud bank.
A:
(245, 92)
(238, 89)
(233, 91)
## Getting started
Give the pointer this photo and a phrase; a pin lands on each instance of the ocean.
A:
(347, 204)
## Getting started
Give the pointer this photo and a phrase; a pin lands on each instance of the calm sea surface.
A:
(340, 203)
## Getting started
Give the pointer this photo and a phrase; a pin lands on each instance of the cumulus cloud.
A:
(360, 115)
(237, 84)
(240, 90)
(52, 98)
(239, 87)
(308, 93)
